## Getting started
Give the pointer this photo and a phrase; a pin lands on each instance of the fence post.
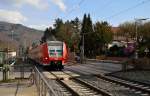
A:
(5, 72)
(125, 65)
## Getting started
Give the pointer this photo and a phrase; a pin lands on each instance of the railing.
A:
(32, 73)
(21, 71)
(43, 87)
(15, 71)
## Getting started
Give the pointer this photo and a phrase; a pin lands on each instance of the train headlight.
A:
(46, 58)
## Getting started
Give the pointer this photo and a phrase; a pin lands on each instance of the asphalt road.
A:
(95, 67)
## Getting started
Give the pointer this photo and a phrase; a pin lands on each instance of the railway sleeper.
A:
(81, 89)
(126, 84)
(99, 91)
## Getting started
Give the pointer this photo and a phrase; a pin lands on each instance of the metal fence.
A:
(43, 87)
(20, 71)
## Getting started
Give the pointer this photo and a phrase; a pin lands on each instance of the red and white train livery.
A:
(52, 53)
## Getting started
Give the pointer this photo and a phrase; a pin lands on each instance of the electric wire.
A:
(127, 9)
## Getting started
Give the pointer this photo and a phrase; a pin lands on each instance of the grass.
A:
(8, 81)
(12, 80)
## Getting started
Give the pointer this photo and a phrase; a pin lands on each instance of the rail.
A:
(126, 84)
(43, 87)
(105, 61)
(78, 87)
(99, 91)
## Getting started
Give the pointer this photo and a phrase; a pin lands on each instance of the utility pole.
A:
(137, 21)
(83, 50)
(136, 40)
(83, 47)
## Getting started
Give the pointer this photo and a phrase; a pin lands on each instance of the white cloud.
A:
(40, 4)
(60, 4)
(40, 27)
(11, 16)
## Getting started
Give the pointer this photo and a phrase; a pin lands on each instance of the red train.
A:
(53, 54)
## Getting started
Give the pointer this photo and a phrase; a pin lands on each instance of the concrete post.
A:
(5, 72)
(124, 65)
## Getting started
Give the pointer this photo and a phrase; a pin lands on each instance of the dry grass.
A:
(9, 45)
(141, 63)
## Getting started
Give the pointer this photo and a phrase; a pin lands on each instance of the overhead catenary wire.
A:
(80, 3)
(127, 9)
(74, 8)
(106, 4)
(70, 11)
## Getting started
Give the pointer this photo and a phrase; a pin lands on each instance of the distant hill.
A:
(13, 35)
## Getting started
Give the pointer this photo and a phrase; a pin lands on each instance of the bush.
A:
(116, 51)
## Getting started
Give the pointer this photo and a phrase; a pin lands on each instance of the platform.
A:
(18, 88)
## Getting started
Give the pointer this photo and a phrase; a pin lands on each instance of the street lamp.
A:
(137, 21)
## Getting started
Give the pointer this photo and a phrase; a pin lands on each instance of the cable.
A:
(80, 3)
(106, 4)
(74, 8)
(128, 9)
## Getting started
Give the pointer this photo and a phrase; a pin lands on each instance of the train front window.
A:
(55, 51)
(52, 52)
(59, 52)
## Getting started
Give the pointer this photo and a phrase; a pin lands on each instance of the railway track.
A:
(58, 88)
(74, 83)
(115, 86)
(140, 77)
(78, 87)
(138, 87)
(69, 84)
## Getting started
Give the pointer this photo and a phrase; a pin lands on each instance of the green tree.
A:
(58, 23)
(47, 35)
(67, 31)
(87, 31)
(103, 36)
(76, 25)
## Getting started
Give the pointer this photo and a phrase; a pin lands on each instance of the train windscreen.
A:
(55, 49)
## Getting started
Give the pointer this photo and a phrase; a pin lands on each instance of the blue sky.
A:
(42, 13)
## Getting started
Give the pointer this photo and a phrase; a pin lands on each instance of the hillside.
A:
(13, 35)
